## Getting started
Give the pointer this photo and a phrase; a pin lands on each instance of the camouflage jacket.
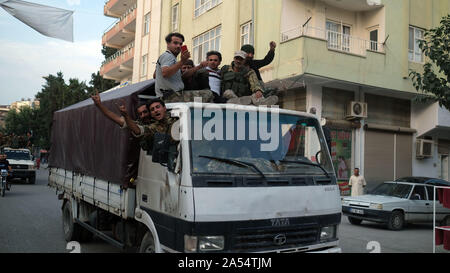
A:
(159, 126)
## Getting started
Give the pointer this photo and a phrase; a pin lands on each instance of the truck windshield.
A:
(255, 142)
(18, 155)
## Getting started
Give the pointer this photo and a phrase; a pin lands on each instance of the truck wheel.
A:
(354, 221)
(396, 221)
(32, 180)
(147, 244)
(72, 231)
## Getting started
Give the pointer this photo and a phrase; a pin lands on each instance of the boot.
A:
(246, 100)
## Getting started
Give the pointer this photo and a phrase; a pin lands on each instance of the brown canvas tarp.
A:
(86, 142)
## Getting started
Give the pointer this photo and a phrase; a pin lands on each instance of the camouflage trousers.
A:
(206, 95)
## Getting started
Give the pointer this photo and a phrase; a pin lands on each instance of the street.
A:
(31, 223)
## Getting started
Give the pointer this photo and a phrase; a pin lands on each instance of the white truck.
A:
(22, 164)
(240, 179)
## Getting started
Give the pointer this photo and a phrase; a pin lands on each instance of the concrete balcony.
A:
(122, 32)
(120, 65)
(354, 5)
(116, 8)
(431, 120)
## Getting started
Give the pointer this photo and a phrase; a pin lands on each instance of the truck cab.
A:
(239, 179)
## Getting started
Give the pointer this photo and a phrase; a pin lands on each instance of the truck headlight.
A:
(328, 233)
(376, 206)
(203, 243)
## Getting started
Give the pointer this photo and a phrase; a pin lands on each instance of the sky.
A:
(26, 55)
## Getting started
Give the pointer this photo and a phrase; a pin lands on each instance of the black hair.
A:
(217, 53)
(174, 34)
(189, 62)
(142, 104)
(150, 102)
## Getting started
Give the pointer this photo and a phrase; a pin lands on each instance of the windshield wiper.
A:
(236, 162)
(306, 163)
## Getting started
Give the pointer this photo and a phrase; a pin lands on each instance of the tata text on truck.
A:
(239, 179)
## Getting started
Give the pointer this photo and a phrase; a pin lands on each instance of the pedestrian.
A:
(257, 64)
(4, 165)
(357, 183)
(169, 84)
(189, 75)
(240, 85)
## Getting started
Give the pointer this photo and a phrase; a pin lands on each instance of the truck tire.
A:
(147, 244)
(32, 180)
(396, 221)
(72, 231)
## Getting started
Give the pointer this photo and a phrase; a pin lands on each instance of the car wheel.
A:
(354, 221)
(147, 244)
(396, 221)
(445, 222)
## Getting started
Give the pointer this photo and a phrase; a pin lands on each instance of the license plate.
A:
(357, 211)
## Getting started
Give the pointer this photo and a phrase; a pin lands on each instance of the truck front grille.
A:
(272, 238)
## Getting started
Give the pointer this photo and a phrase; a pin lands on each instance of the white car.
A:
(21, 163)
(396, 203)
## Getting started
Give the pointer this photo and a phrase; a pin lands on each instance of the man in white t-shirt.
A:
(357, 183)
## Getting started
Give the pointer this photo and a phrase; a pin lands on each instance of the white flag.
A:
(49, 21)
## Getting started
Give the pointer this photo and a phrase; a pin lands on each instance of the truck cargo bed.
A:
(108, 196)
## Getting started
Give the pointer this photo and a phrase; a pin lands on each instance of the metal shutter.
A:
(403, 155)
(378, 157)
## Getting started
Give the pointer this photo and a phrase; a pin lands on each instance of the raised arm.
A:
(131, 123)
(191, 72)
(169, 71)
(108, 113)
(269, 57)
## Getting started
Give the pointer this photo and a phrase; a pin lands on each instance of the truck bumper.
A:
(23, 174)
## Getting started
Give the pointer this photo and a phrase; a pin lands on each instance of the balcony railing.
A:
(335, 40)
(124, 16)
(119, 53)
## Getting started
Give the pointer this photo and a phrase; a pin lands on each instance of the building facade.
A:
(120, 35)
(330, 53)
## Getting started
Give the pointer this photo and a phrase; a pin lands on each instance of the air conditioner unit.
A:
(424, 148)
(356, 110)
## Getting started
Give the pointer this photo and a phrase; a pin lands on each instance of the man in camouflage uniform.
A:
(162, 123)
(240, 85)
(142, 110)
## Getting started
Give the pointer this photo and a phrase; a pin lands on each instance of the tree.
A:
(108, 51)
(435, 46)
(99, 83)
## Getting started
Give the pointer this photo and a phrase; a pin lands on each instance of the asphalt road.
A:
(31, 222)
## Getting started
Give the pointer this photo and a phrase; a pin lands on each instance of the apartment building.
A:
(120, 35)
(347, 61)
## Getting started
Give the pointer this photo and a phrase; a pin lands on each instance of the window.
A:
(415, 53)
(144, 65)
(419, 191)
(147, 24)
(338, 36)
(175, 17)
(205, 42)
(202, 6)
(374, 40)
(430, 193)
(246, 33)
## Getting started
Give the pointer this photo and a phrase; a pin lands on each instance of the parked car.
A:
(396, 203)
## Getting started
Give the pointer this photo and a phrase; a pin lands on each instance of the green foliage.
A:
(55, 95)
(435, 85)
(108, 51)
